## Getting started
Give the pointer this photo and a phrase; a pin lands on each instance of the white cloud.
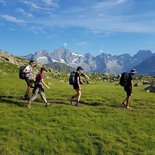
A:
(22, 11)
(12, 19)
(65, 44)
(82, 43)
(3, 2)
(109, 4)
(33, 5)
(120, 1)
(53, 3)
(42, 5)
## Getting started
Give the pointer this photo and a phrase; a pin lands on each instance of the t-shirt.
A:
(29, 69)
(130, 78)
(77, 74)
(39, 77)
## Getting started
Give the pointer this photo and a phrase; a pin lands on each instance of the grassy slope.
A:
(99, 126)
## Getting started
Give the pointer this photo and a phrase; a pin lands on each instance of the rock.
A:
(150, 89)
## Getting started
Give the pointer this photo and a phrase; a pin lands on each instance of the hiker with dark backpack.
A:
(126, 81)
(75, 80)
(26, 74)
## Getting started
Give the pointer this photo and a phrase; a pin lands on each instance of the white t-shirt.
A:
(29, 69)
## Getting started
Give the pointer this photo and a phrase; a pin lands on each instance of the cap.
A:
(31, 61)
(80, 68)
(43, 69)
(133, 71)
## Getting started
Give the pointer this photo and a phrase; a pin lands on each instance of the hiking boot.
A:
(77, 104)
(47, 104)
(128, 107)
(124, 104)
(28, 106)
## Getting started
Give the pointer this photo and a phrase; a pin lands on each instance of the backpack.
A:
(72, 78)
(21, 74)
(124, 79)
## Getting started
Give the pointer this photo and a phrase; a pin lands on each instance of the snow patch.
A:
(75, 54)
(62, 61)
(53, 60)
(42, 60)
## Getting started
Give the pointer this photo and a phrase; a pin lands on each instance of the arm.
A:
(44, 83)
(132, 86)
(78, 82)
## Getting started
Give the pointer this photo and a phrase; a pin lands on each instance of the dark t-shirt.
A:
(130, 78)
(76, 85)
(77, 74)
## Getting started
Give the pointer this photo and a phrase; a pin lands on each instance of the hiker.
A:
(128, 87)
(77, 87)
(29, 78)
(38, 88)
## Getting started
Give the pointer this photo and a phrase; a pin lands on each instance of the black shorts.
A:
(128, 90)
(75, 86)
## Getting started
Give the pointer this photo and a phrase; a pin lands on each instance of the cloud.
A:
(22, 11)
(3, 2)
(65, 44)
(42, 5)
(99, 18)
(12, 19)
(53, 3)
(120, 1)
(109, 4)
(82, 43)
(33, 5)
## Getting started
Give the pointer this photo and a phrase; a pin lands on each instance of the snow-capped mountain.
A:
(105, 63)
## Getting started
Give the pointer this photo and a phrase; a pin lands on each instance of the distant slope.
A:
(147, 67)
(59, 66)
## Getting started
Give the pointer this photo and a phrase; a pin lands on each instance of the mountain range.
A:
(105, 63)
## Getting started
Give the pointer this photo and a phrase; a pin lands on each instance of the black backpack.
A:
(124, 79)
(21, 74)
(72, 78)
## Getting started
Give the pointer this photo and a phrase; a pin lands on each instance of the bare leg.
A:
(78, 96)
(128, 102)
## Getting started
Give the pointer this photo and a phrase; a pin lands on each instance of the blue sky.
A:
(94, 26)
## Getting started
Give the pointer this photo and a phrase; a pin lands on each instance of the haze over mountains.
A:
(105, 63)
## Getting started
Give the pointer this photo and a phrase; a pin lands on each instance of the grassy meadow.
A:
(99, 126)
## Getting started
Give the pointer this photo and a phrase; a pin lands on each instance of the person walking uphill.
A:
(129, 89)
(39, 88)
(77, 86)
(29, 78)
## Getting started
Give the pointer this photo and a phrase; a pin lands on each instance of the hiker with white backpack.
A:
(25, 73)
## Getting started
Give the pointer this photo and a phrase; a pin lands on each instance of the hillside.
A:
(99, 126)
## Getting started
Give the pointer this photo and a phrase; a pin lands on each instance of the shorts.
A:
(128, 91)
(30, 83)
(75, 86)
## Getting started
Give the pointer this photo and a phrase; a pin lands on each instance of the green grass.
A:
(99, 126)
